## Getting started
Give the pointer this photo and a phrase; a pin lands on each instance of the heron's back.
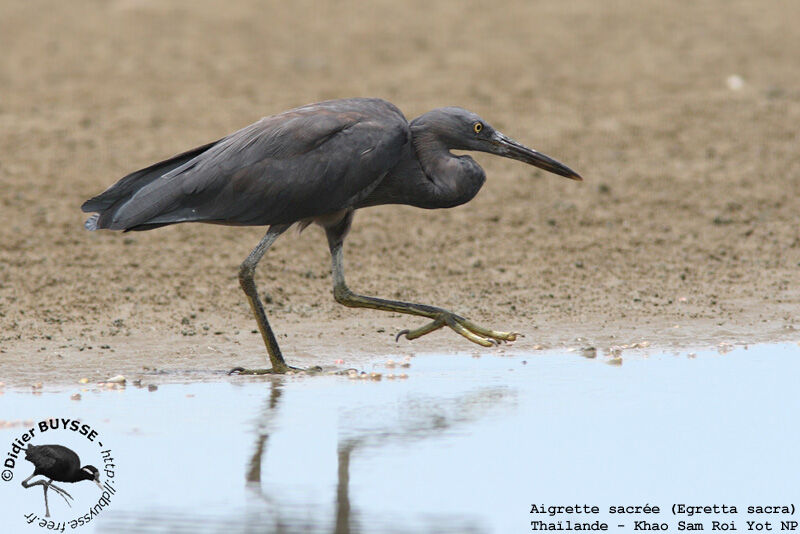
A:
(302, 163)
(54, 461)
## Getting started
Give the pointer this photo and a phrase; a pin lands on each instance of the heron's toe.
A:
(489, 334)
(273, 371)
(243, 371)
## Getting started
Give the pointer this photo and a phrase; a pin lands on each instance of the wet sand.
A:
(682, 118)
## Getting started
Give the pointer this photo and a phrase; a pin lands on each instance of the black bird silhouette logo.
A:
(60, 464)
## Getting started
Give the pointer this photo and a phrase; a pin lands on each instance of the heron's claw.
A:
(401, 333)
(491, 334)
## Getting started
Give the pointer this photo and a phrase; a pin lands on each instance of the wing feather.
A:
(302, 163)
(47, 456)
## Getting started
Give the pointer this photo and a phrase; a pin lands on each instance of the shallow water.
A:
(463, 444)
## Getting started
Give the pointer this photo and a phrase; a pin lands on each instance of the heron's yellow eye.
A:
(477, 127)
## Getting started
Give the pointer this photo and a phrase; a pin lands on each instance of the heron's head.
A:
(460, 129)
(90, 472)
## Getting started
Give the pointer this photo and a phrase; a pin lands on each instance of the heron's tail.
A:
(107, 203)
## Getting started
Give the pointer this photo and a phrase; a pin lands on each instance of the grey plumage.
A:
(284, 168)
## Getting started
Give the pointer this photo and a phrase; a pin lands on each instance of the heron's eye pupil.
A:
(477, 127)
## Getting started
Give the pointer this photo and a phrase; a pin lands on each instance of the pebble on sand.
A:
(118, 379)
(734, 82)
(75, 397)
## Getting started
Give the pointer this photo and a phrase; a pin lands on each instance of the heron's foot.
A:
(64, 495)
(468, 329)
(273, 371)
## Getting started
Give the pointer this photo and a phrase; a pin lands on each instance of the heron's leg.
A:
(440, 316)
(46, 506)
(25, 484)
(47, 484)
(246, 272)
(44, 485)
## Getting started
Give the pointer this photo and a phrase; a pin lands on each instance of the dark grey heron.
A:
(318, 164)
(56, 462)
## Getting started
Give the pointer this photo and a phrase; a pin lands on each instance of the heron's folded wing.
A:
(47, 456)
(306, 162)
(127, 186)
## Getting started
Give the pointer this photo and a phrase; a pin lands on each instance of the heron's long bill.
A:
(507, 147)
(99, 485)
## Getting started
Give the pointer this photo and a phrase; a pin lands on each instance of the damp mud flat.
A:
(462, 444)
(687, 217)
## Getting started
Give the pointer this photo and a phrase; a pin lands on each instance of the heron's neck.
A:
(456, 179)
